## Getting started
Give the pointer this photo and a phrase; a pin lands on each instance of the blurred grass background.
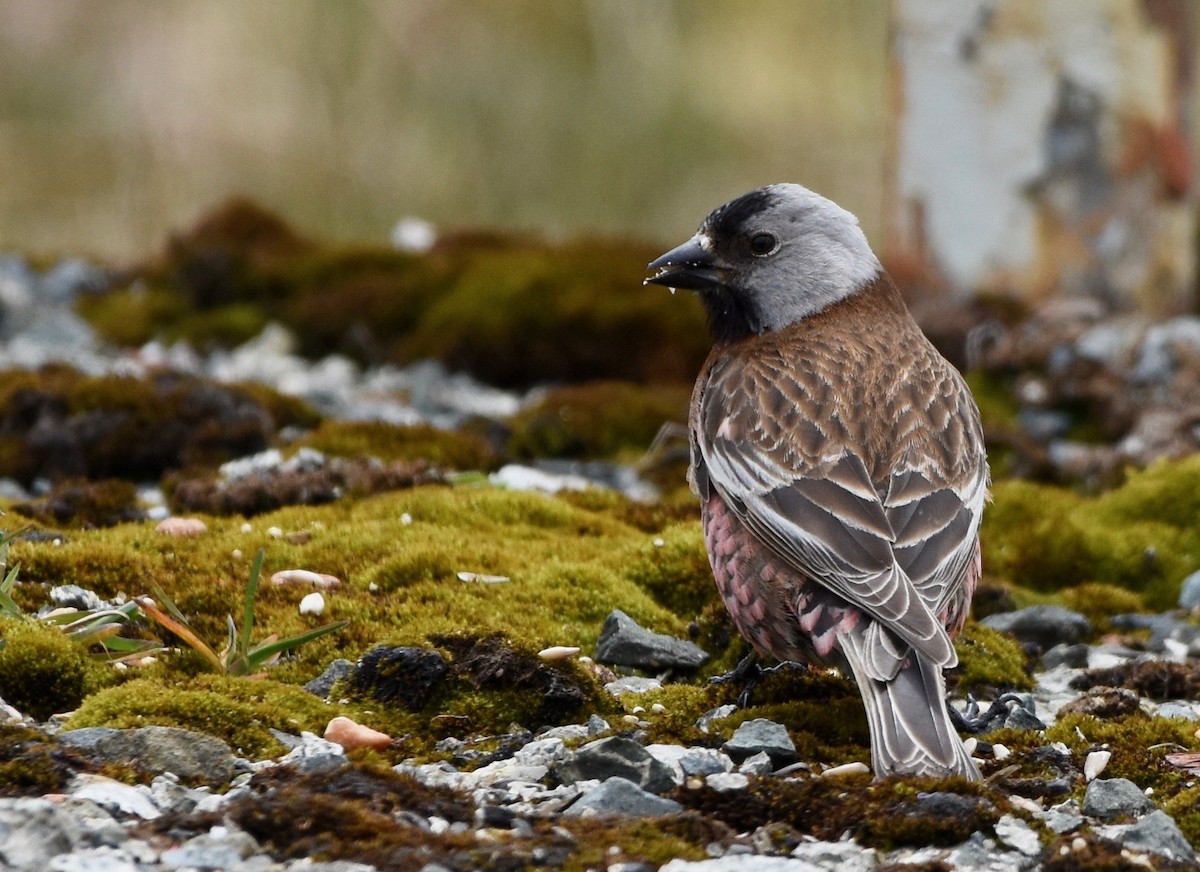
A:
(123, 120)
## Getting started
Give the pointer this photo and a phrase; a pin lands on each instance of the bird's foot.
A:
(750, 675)
(973, 722)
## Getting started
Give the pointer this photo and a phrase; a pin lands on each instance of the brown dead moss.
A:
(1154, 679)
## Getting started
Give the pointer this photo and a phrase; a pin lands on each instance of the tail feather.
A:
(910, 729)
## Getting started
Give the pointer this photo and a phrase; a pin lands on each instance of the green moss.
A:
(988, 662)
(1099, 602)
(1140, 537)
(447, 449)
(134, 315)
(673, 568)
(32, 764)
(1137, 741)
(241, 712)
(41, 671)
(597, 419)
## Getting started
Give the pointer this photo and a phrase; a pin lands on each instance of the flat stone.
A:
(623, 642)
(616, 757)
(1177, 708)
(618, 795)
(757, 735)
(190, 755)
(1018, 835)
(1108, 798)
(114, 796)
(220, 848)
(724, 782)
(1046, 626)
(1189, 591)
(632, 684)
(1157, 833)
(843, 856)
(1074, 656)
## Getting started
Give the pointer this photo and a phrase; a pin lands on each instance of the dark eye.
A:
(762, 244)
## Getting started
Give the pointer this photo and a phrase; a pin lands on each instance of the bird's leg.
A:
(973, 722)
(750, 675)
(747, 673)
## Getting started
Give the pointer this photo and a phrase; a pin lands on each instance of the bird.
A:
(839, 461)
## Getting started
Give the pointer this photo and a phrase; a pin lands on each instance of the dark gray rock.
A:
(1073, 656)
(191, 756)
(1157, 833)
(616, 756)
(1046, 626)
(72, 596)
(620, 796)
(760, 735)
(1109, 798)
(623, 642)
(323, 683)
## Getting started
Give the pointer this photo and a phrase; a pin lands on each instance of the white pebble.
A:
(236, 553)
(373, 587)
(856, 768)
(305, 576)
(484, 579)
(630, 719)
(275, 532)
(558, 652)
(658, 708)
(313, 604)
(406, 519)
(1095, 763)
(971, 744)
(659, 542)
(246, 528)
(1000, 752)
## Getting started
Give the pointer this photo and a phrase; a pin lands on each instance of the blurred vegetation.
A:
(126, 118)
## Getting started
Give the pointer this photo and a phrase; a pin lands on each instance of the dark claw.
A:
(750, 675)
(973, 722)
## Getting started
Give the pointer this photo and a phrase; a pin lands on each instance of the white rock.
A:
(856, 768)
(558, 652)
(1095, 763)
(313, 604)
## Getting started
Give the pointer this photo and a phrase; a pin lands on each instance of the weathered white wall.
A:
(1041, 146)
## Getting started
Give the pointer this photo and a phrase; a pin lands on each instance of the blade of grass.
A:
(182, 630)
(266, 650)
(251, 595)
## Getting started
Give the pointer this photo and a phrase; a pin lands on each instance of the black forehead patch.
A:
(732, 218)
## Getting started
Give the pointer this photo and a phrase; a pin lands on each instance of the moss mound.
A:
(41, 671)
(460, 449)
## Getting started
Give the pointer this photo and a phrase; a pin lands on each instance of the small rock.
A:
(743, 863)
(72, 596)
(1073, 656)
(558, 652)
(704, 761)
(843, 856)
(351, 735)
(312, 604)
(616, 756)
(1018, 835)
(623, 642)
(1108, 798)
(761, 735)
(1157, 833)
(706, 720)
(32, 831)
(334, 672)
(618, 795)
(481, 578)
(1095, 764)
(305, 576)
(219, 848)
(724, 782)
(1189, 592)
(114, 796)
(1046, 626)
(175, 526)
(1064, 817)
(758, 764)
(855, 768)
(1177, 709)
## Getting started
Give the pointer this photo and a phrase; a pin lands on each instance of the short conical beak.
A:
(689, 266)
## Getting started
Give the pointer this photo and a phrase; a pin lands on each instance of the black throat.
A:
(730, 315)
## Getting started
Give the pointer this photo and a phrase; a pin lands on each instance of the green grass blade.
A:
(267, 650)
(251, 595)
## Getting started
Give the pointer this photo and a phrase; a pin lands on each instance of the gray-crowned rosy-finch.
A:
(839, 461)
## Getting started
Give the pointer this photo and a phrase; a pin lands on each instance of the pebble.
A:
(1046, 626)
(312, 604)
(351, 735)
(1095, 764)
(759, 735)
(305, 576)
(186, 527)
(558, 652)
(619, 796)
(1108, 798)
